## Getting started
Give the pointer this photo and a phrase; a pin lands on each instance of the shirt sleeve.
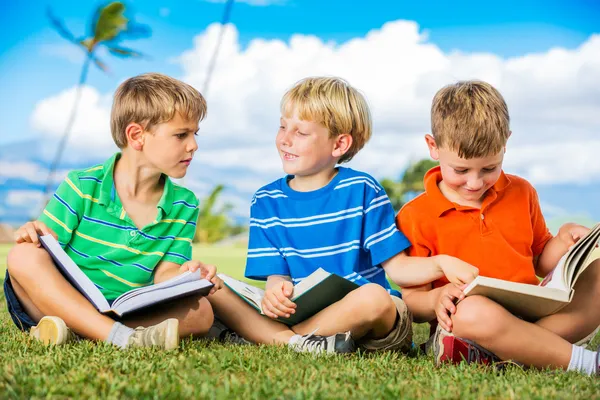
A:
(541, 233)
(264, 257)
(64, 211)
(408, 224)
(180, 250)
(381, 239)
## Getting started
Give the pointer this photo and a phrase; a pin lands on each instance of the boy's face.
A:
(467, 179)
(170, 146)
(305, 147)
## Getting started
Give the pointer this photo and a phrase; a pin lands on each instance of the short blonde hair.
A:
(471, 118)
(151, 99)
(333, 103)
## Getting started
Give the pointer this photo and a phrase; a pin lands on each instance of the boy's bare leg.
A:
(246, 321)
(195, 316)
(582, 316)
(367, 311)
(490, 325)
(42, 290)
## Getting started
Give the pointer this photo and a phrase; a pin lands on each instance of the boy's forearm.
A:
(421, 303)
(274, 279)
(547, 261)
(407, 271)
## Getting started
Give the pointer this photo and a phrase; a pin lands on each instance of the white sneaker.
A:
(52, 331)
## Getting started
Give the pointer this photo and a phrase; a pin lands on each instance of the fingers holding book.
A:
(446, 305)
(207, 271)
(29, 232)
(276, 302)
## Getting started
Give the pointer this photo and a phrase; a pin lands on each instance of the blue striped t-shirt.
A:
(346, 228)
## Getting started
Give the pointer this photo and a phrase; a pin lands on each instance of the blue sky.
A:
(37, 65)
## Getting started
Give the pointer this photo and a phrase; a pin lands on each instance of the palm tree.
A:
(411, 182)
(108, 26)
(214, 225)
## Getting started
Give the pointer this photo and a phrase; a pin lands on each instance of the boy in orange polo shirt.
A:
(473, 211)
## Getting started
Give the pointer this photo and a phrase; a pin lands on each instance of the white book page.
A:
(307, 283)
(252, 293)
(147, 298)
(556, 278)
(177, 280)
(76, 276)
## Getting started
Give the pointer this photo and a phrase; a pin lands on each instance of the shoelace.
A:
(313, 342)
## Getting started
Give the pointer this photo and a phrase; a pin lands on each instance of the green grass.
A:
(206, 370)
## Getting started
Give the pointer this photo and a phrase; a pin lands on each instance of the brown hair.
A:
(471, 118)
(151, 99)
(333, 103)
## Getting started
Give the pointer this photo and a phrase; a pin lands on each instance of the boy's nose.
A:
(193, 146)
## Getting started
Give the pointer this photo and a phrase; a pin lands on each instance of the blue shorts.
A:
(19, 316)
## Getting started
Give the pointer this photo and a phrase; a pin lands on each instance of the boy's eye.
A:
(461, 171)
(302, 134)
(489, 169)
(181, 135)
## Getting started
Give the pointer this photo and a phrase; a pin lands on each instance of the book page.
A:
(307, 283)
(73, 273)
(250, 293)
(176, 280)
(169, 292)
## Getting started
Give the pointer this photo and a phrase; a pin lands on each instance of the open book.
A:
(314, 293)
(553, 293)
(186, 284)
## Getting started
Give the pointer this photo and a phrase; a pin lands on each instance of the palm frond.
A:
(59, 27)
(123, 52)
(111, 21)
(101, 65)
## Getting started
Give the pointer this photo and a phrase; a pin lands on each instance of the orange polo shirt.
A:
(501, 238)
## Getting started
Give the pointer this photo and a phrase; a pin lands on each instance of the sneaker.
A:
(52, 331)
(449, 348)
(164, 335)
(338, 343)
(220, 332)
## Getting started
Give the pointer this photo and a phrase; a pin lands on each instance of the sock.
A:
(119, 335)
(583, 360)
(294, 339)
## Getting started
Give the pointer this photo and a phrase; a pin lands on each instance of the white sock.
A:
(583, 360)
(119, 335)
(293, 340)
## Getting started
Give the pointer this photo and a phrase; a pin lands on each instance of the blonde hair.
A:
(333, 103)
(471, 118)
(151, 99)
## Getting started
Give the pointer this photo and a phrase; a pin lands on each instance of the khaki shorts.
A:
(400, 337)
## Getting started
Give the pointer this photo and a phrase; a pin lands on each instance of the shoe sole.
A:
(172, 334)
(50, 331)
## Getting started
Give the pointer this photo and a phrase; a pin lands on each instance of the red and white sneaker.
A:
(449, 348)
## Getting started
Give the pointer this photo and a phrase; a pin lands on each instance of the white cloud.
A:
(24, 198)
(554, 99)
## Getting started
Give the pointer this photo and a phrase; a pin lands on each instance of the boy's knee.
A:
(374, 301)
(24, 258)
(475, 317)
(201, 317)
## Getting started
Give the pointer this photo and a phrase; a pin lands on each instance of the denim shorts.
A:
(19, 316)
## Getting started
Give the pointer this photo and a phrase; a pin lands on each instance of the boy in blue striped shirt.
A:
(336, 218)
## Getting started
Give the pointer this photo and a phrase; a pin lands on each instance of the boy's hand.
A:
(29, 232)
(570, 233)
(207, 271)
(457, 271)
(276, 302)
(445, 304)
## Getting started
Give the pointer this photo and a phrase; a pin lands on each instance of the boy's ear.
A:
(434, 152)
(135, 136)
(342, 145)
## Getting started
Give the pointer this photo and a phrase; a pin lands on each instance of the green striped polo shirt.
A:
(95, 231)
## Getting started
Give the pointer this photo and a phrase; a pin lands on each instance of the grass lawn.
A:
(203, 370)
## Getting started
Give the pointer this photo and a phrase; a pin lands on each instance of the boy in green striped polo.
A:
(124, 223)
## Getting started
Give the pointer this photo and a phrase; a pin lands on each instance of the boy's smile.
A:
(466, 181)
